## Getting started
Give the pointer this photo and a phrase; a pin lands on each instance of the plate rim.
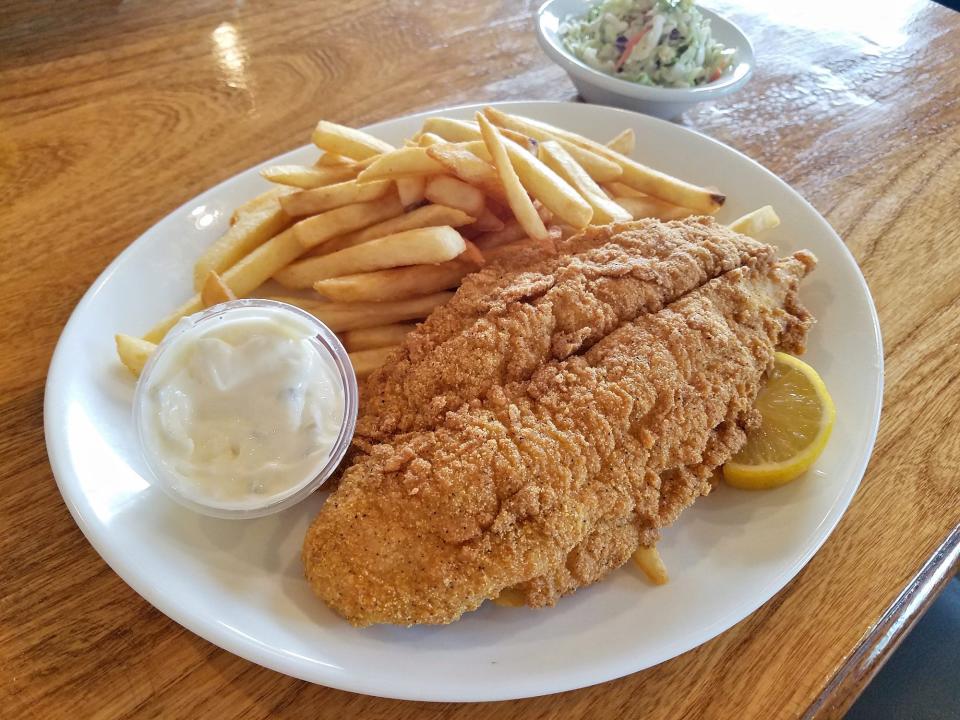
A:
(252, 650)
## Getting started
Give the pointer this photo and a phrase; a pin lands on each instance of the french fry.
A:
(257, 267)
(426, 216)
(756, 222)
(161, 328)
(309, 304)
(517, 197)
(469, 168)
(320, 228)
(470, 232)
(464, 130)
(449, 129)
(510, 598)
(412, 247)
(243, 278)
(342, 140)
(651, 207)
(366, 361)
(511, 232)
(405, 162)
(477, 147)
(426, 139)
(321, 199)
(398, 283)
(305, 177)
(375, 261)
(278, 252)
(472, 146)
(599, 167)
(499, 208)
(541, 247)
(649, 560)
(328, 158)
(449, 191)
(648, 206)
(260, 201)
(548, 187)
(488, 222)
(543, 212)
(472, 254)
(618, 189)
(375, 337)
(353, 316)
(624, 143)
(215, 291)
(520, 139)
(559, 160)
(134, 352)
(410, 190)
(647, 180)
(252, 229)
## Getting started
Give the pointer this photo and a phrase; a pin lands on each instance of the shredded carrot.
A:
(631, 44)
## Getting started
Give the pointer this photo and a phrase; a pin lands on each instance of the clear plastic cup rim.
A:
(324, 341)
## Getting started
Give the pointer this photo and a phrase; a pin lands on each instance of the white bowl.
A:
(598, 87)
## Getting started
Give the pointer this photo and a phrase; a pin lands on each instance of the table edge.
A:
(878, 644)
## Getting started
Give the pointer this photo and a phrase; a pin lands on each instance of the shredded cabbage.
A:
(651, 42)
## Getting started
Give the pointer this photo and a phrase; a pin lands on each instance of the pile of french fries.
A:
(372, 237)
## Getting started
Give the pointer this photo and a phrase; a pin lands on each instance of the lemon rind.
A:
(771, 475)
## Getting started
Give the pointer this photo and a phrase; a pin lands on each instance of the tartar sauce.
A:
(242, 409)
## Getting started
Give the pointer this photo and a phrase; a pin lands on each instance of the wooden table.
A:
(112, 114)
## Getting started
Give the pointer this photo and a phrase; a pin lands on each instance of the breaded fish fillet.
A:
(502, 325)
(545, 483)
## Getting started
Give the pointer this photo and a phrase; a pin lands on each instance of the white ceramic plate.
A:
(239, 583)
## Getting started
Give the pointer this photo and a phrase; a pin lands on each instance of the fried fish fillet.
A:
(502, 325)
(545, 480)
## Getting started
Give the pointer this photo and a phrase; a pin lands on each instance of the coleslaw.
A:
(651, 42)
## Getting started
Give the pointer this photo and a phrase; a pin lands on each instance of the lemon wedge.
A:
(797, 418)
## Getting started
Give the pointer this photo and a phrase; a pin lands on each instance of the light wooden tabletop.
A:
(112, 114)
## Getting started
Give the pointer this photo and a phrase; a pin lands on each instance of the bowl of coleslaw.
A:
(659, 57)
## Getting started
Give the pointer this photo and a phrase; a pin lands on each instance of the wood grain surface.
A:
(114, 113)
